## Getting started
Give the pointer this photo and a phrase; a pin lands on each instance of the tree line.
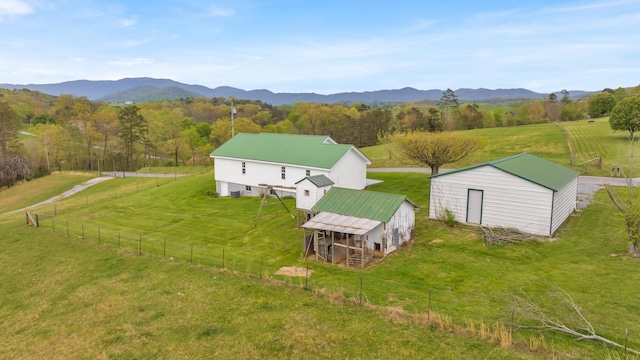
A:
(76, 133)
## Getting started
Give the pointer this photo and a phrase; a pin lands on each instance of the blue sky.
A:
(325, 46)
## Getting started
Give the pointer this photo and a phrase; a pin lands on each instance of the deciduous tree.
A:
(436, 149)
(601, 104)
(9, 126)
(626, 115)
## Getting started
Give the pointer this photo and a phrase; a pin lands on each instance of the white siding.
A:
(350, 171)
(508, 200)
(404, 221)
(315, 193)
(230, 170)
(564, 203)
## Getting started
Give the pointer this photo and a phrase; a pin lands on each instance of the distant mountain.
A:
(149, 89)
(148, 93)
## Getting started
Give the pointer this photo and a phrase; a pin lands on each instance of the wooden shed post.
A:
(362, 244)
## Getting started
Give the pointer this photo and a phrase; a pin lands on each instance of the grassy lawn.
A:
(590, 139)
(544, 140)
(465, 280)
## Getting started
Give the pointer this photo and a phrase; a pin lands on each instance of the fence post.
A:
(67, 227)
(26, 214)
(118, 239)
(55, 209)
(429, 307)
(306, 277)
(361, 289)
(37, 221)
(626, 338)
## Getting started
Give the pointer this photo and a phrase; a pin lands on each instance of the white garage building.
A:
(522, 191)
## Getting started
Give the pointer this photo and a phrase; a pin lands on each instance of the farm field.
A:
(589, 138)
(466, 281)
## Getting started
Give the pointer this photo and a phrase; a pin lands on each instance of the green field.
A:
(590, 139)
(91, 294)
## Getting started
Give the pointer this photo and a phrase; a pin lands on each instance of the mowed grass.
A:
(65, 297)
(463, 279)
(590, 139)
(69, 299)
(544, 140)
(593, 138)
(41, 189)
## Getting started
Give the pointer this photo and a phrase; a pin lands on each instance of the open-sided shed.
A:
(523, 191)
(356, 225)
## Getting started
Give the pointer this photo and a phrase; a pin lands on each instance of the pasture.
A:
(589, 138)
(113, 273)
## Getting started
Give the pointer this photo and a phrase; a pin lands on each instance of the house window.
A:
(306, 193)
(308, 173)
(247, 188)
(283, 172)
(244, 168)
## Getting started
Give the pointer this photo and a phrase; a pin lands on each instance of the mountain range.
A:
(150, 89)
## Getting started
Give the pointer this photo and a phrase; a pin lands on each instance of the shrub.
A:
(448, 217)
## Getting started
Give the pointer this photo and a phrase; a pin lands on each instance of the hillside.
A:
(129, 88)
(148, 93)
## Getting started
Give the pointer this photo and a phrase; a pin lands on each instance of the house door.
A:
(224, 188)
(474, 206)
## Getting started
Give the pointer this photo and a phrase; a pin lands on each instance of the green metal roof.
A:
(318, 180)
(361, 203)
(304, 150)
(529, 167)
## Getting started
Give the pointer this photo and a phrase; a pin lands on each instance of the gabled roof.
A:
(529, 167)
(318, 180)
(361, 203)
(304, 150)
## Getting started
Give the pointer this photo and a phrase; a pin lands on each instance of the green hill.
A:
(147, 94)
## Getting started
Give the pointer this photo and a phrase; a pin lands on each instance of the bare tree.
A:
(528, 309)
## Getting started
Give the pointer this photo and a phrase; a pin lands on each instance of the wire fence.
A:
(352, 287)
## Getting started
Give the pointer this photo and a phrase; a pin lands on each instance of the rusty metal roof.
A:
(341, 223)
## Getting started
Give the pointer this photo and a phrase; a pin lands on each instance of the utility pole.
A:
(233, 112)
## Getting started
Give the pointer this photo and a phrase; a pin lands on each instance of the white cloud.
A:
(215, 10)
(14, 8)
(128, 22)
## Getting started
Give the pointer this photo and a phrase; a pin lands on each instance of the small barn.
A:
(357, 226)
(523, 191)
(308, 191)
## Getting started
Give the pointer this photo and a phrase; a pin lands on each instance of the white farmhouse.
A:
(522, 191)
(249, 164)
(357, 225)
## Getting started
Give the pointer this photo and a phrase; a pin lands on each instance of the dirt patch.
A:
(293, 271)
(435, 241)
